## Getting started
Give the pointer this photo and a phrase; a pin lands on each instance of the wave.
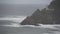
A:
(19, 19)
(41, 26)
(12, 25)
(47, 27)
(14, 18)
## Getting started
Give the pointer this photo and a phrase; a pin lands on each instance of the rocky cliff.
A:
(49, 15)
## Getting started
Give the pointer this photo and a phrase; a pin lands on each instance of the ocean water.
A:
(27, 30)
(10, 25)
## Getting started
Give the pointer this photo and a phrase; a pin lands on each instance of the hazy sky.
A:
(22, 7)
(26, 1)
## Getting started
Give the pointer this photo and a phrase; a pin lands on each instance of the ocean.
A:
(10, 25)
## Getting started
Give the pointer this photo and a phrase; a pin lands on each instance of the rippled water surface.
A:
(27, 30)
(11, 26)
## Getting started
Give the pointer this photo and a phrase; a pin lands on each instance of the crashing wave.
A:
(41, 26)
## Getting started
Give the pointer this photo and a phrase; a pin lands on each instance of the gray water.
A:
(26, 30)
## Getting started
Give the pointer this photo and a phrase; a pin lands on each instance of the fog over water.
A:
(21, 7)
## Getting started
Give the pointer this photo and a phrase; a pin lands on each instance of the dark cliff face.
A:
(31, 20)
(49, 15)
(55, 4)
(44, 17)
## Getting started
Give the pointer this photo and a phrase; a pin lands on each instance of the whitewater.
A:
(19, 19)
(17, 28)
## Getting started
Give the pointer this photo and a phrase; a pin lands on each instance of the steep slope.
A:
(30, 20)
(49, 15)
(55, 4)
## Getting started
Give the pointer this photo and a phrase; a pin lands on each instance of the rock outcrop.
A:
(49, 15)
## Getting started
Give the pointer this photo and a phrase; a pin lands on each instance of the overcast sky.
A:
(24, 9)
(26, 1)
